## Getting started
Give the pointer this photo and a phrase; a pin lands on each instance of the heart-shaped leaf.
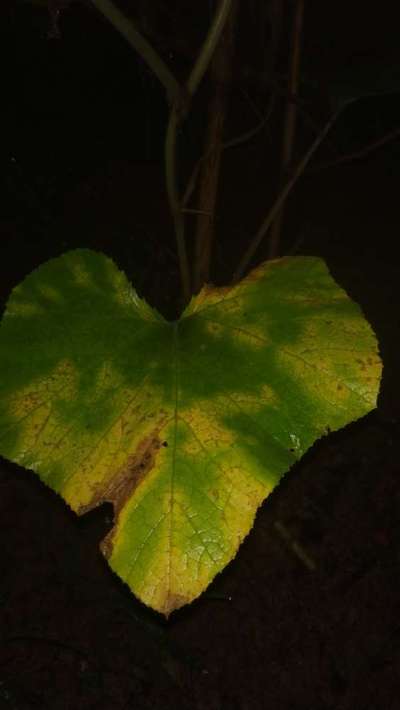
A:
(184, 426)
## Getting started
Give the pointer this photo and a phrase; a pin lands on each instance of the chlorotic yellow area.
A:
(214, 329)
(137, 414)
(253, 402)
(25, 309)
(324, 386)
(32, 410)
(80, 274)
(187, 556)
(206, 433)
(332, 383)
(50, 293)
(184, 427)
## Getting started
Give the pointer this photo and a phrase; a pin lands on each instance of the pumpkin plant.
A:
(185, 426)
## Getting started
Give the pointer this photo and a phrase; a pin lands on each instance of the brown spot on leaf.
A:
(173, 602)
(123, 482)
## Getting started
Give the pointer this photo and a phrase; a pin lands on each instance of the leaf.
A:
(184, 426)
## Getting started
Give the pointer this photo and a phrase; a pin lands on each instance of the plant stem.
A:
(221, 71)
(176, 117)
(295, 546)
(282, 197)
(231, 143)
(127, 29)
(357, 154)
(290, 119)
(174, 201)
(209, 46)
(178, 97)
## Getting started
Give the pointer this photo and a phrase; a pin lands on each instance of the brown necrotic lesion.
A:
(123, 483)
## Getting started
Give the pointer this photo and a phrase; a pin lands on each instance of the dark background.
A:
(82, 165)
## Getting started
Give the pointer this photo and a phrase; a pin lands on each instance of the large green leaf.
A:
(184, 426)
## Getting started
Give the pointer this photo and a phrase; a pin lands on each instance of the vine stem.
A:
(179, 97)
(221, 78)
(282, 197)
(209, 45)
(126, 27)
(290, 119)
(357, 154)
(175, 202)
(177, 114)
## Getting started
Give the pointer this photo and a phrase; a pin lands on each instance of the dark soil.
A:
(271, 631)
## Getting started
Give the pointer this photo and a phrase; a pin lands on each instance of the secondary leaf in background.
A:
(184, 426)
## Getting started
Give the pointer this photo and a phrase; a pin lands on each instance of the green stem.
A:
(209, 45)
(178, 98)
(178, 112)
(290, 120)
(127, 29)
(281, 199)
(174, 200)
